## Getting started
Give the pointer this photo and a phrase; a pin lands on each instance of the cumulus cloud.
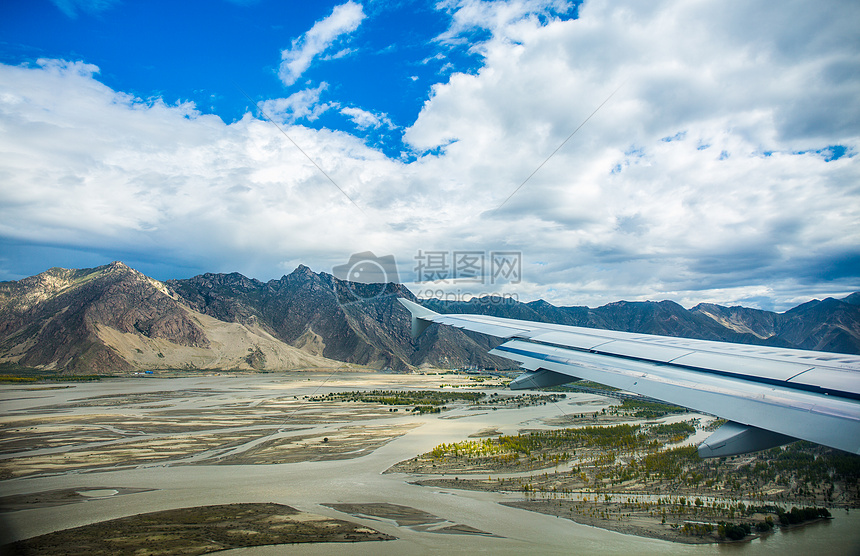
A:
(364, 119)
(97, 169)
(739, 188)
(323, 35)
(724, 169)
(302, 104)
(468, 16)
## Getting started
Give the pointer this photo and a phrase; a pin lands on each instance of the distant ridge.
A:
(113, 319)
(828, 325)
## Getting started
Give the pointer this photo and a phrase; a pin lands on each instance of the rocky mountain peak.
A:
(303, 270)
(303, 274)
(57, 319)
(853, 299)
(112, 317)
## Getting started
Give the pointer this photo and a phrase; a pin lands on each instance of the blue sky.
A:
(722, 166)
(209, 52)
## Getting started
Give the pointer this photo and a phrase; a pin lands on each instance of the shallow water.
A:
(309, 485)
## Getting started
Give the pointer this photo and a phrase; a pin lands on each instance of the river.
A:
(308, 486)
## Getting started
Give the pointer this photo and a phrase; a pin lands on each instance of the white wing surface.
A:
(770, 396)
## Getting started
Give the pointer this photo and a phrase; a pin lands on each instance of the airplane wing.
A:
(769, 396)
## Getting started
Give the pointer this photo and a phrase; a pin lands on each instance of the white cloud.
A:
(296, 60)
(494, 16)
(302, 104)
(701, 222)
(364, 119)
(92, 168)
(617, 213)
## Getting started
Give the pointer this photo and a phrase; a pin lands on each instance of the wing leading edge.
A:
(770, 396)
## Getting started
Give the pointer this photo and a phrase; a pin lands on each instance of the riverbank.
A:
(264, 420)
(641, 479)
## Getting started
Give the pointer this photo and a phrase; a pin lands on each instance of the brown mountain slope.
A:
(115, 319)
(356, 323)
(827, 325)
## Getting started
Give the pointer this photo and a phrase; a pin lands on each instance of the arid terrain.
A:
(355, 456)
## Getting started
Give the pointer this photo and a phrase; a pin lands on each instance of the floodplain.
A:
(351, 452)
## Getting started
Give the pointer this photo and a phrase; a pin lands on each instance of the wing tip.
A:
(421, 316)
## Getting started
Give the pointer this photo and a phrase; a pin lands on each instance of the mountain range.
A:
(114, 320)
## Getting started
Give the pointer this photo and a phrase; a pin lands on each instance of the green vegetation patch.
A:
(14, 373)
(683, 429)
(199, 530)
(552, 447)
(646, 410)
(799, 515)
(642, 458)
(11, 378)
(397, 397)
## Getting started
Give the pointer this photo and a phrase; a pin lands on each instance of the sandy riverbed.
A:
(153, 444)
